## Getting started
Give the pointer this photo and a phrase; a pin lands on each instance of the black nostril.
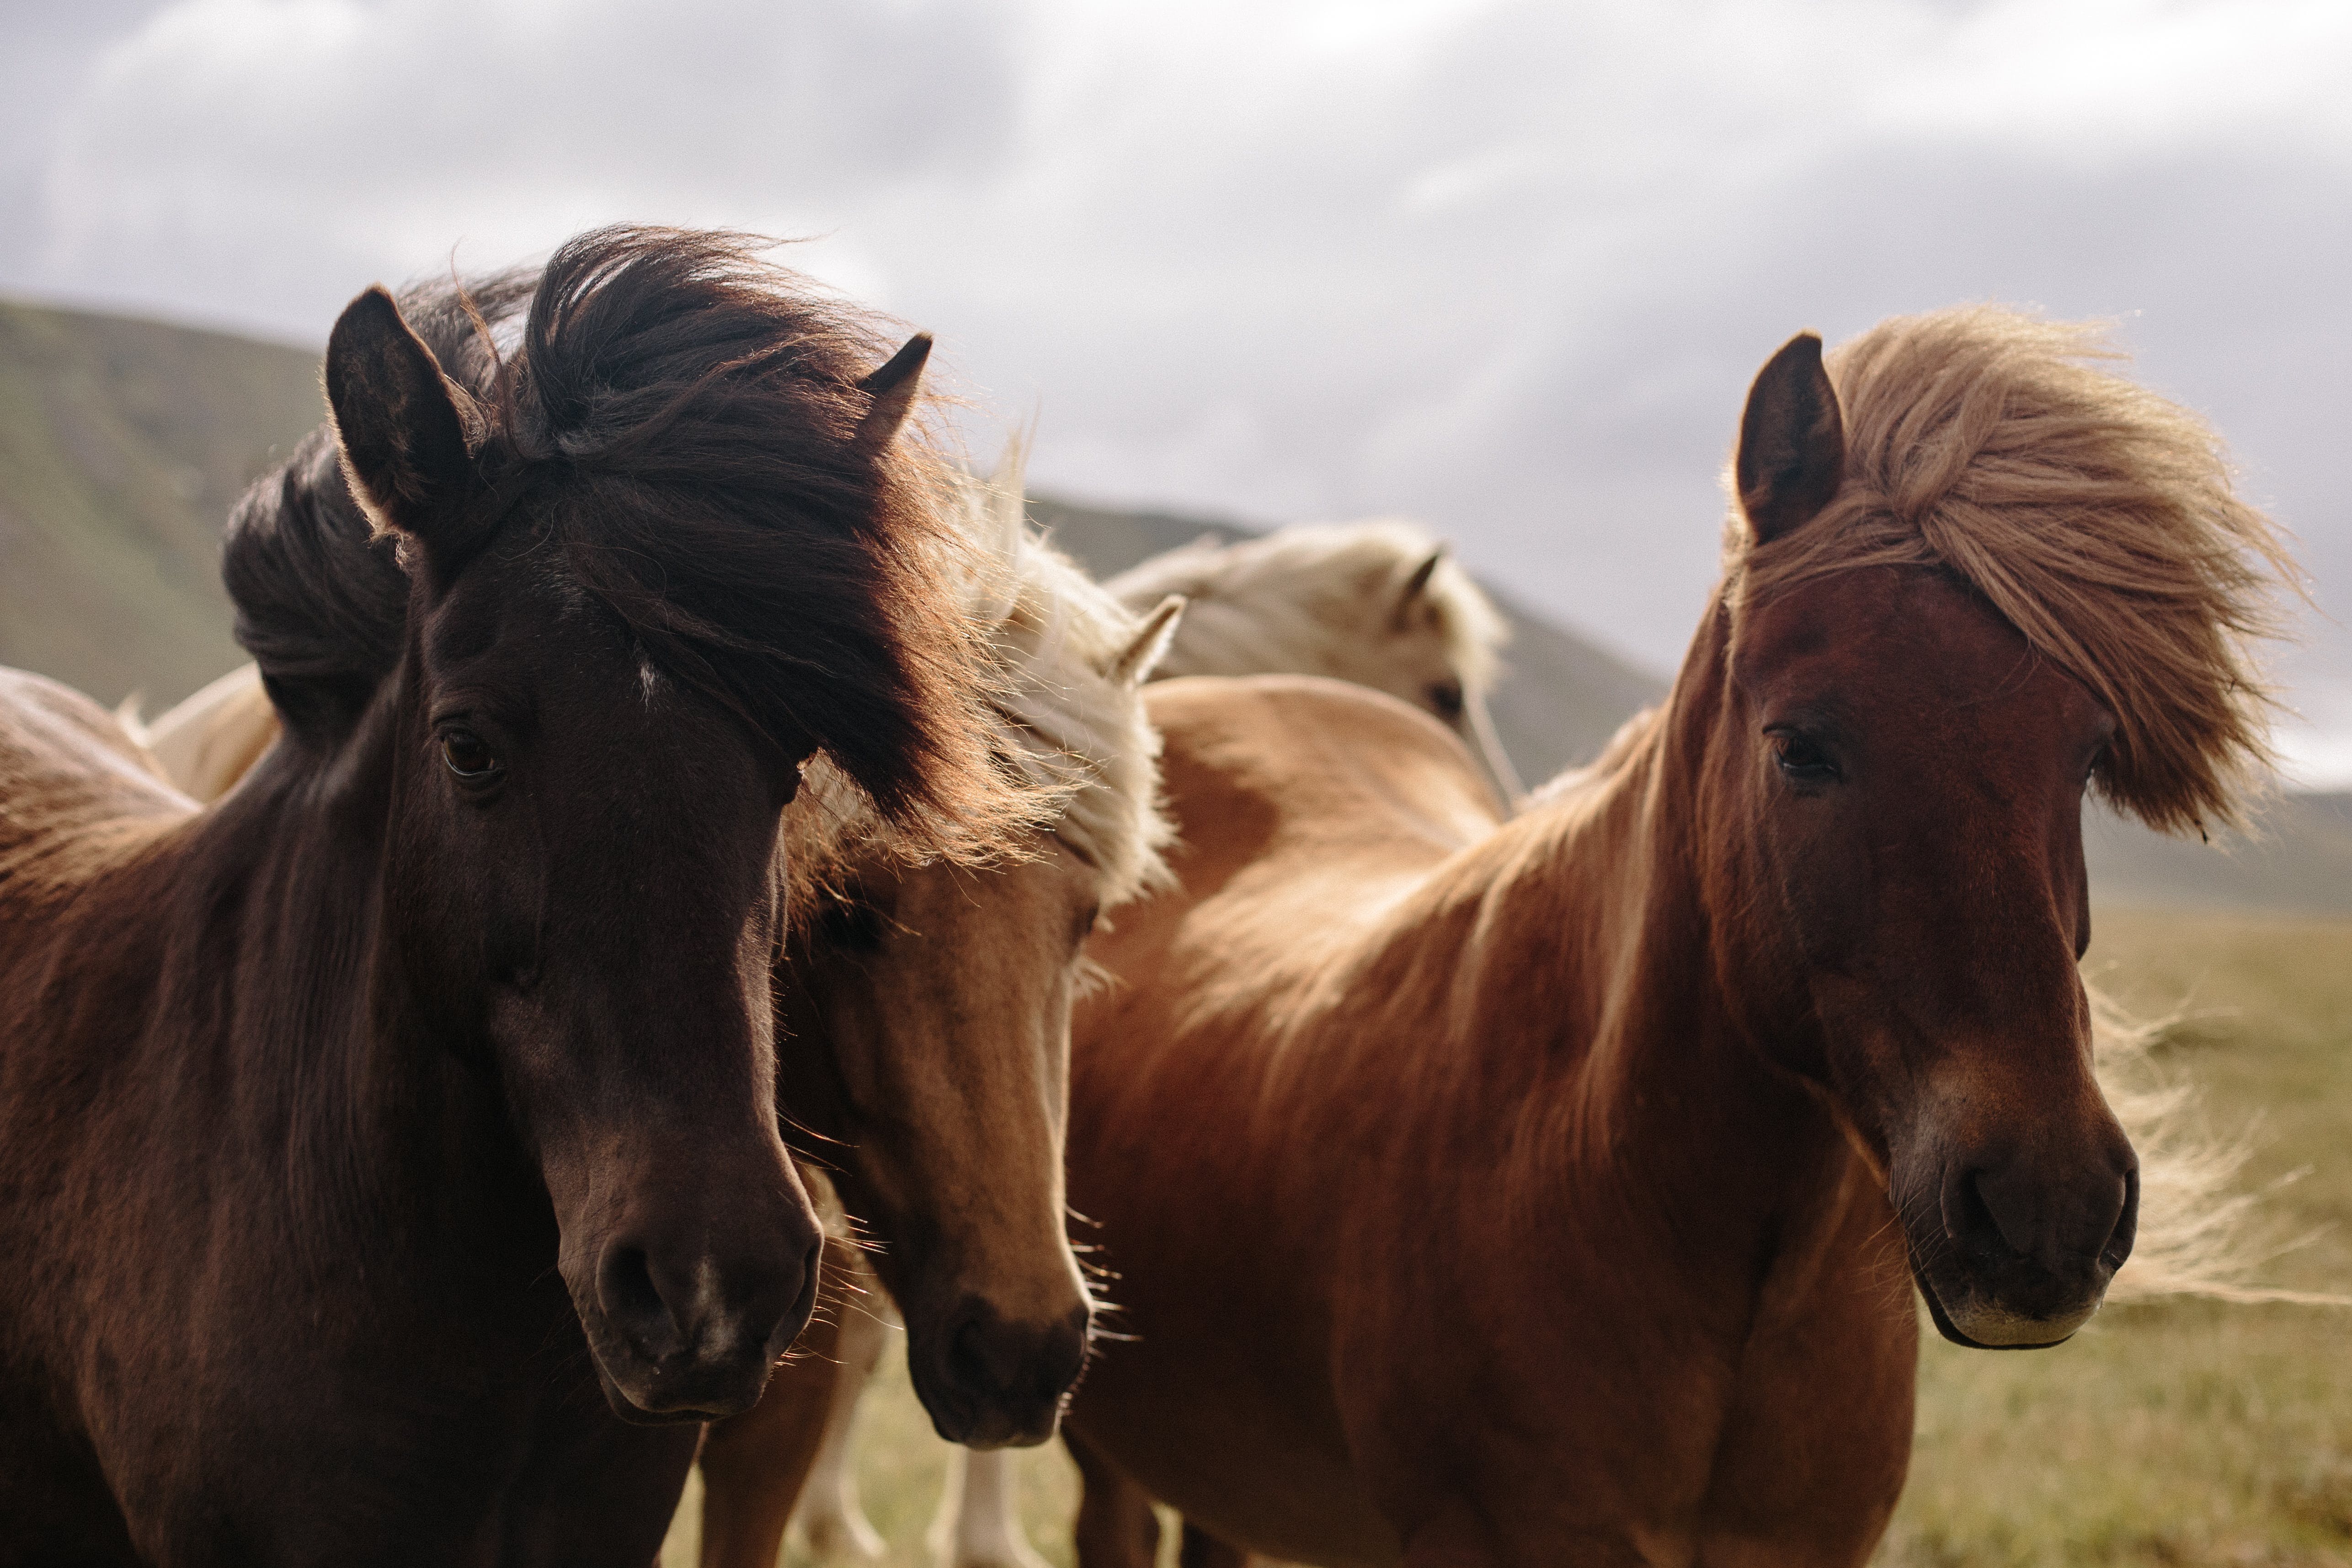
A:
(632, 1303)
(2119, 1241)
(975, 1358)
(1972, 1219)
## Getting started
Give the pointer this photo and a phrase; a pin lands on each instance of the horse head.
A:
(943, 998)
(1916, 655)
(647, 575)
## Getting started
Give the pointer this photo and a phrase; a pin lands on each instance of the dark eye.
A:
(468, 755)
(1801, 757)
(1084, 925)
(848, 924)
(1445, 700)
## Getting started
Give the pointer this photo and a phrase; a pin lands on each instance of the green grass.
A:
(2185, 1433)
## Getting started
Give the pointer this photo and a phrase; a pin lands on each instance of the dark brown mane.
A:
(676, 419)
(2094, 515)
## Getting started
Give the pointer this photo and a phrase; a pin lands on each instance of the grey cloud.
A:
(1506, 266)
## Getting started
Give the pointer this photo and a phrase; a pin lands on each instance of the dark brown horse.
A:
(1548, 1191)
(355, 1134)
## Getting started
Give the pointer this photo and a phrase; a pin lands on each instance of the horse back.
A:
(74, 788)
(1307, 811)
(1298, 768)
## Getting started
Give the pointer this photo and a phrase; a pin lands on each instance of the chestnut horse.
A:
(1546, 1190)
(388, 1164)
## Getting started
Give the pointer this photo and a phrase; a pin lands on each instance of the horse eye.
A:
(1800, 758)
(1446, 696)
(468, 754)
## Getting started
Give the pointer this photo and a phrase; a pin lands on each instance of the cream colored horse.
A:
(1381, 604)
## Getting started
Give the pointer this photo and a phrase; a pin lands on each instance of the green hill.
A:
(124, 442)
(121, 444)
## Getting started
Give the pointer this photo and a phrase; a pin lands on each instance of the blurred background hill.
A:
(124, 443)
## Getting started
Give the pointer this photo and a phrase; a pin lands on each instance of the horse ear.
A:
(400, 424)
(1792, 441)
(893, 389)
(1133, 666)
(1416, 585)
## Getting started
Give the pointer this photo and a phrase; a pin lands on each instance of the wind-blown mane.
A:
(1074, 734)
(1319, 597)
(2094, 516)
(677, 423)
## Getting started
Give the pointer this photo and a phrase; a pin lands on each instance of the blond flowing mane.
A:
(2097, 517)
(1066, 722)
(1317, 598)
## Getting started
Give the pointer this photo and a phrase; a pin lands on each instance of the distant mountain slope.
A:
(122, 444)
(2299, 859)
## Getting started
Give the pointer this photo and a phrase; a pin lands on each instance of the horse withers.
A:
(388, 1154)
(1485, 1193)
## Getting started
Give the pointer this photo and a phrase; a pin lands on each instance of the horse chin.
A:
(1982, 1324)
(991, 1425)
(652, 1403)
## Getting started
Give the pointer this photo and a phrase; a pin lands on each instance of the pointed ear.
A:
(1133, 666)
(893, 389)
(1416, 587)
(400, 424)
(1792, 441)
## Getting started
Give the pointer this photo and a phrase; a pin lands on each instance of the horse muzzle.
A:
(992, 1382)
(2009, 1258)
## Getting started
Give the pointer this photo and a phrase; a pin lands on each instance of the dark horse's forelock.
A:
(677, 422)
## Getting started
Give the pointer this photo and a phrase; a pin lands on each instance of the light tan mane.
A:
(1317, 598)
(2094, 515)
(1064, 723)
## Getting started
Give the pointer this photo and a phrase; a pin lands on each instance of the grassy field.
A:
(2181, 1434)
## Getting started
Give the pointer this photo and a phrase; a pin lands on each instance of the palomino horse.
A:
(1545, 1191)
(354, 1134)
(928, 1021)
(1377, 603)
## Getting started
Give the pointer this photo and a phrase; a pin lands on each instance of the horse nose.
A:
(696, 1315)
(1008, 1377)
(2064, 1226)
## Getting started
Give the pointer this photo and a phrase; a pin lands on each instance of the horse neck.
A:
(1604, 1007)
(307, 1010)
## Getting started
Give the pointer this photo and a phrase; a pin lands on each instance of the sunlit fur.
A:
(2096, 517)
(1055, 718)
(210, 739)
(1316, 599)
(1336, 599)
(687, 366)
(940, 1000)
(1609, 1212)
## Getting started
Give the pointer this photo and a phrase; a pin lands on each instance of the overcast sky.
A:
(1506, 266)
